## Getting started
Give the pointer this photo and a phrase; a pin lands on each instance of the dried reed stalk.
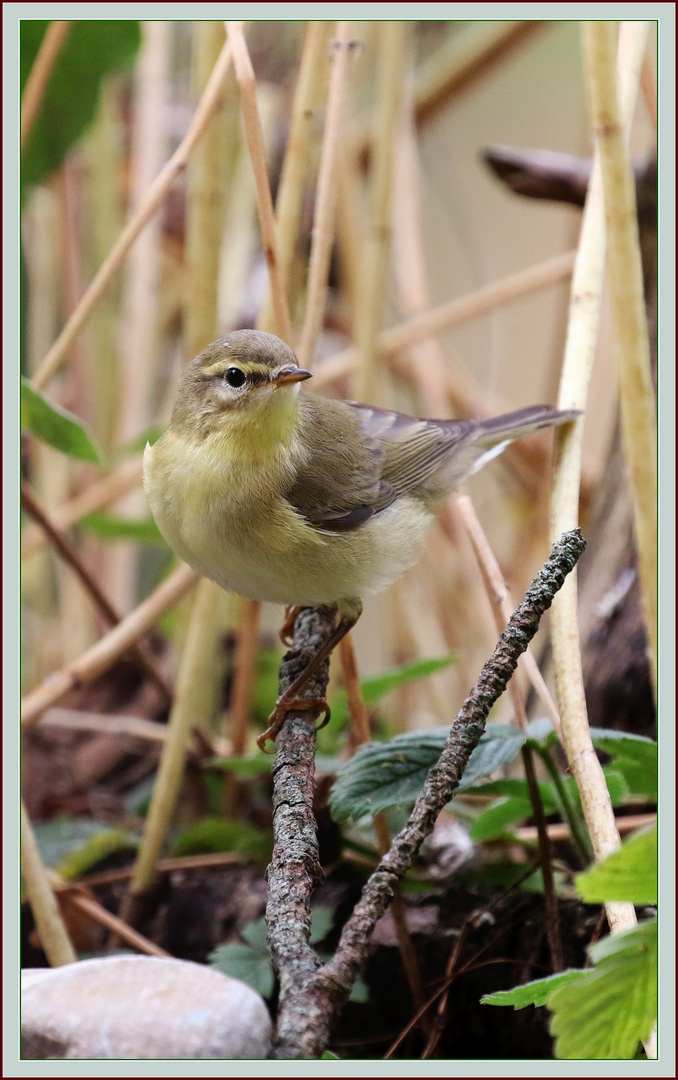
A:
(50, 926)
(31, 99)
(580, 344)
(390, 79)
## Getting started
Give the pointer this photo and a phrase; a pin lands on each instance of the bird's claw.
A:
(287, 629)
(280, 713)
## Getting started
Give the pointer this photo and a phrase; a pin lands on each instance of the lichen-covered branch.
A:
(310, 995)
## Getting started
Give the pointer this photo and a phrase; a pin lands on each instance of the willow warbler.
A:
(299, 499)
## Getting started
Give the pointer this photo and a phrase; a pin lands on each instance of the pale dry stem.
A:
(579, 351)
(255, 142)
(36, 82)
(50, 926)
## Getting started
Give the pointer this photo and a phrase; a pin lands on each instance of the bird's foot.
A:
(283, 706)
(287, 628)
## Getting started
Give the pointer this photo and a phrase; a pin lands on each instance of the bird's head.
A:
(248, 375)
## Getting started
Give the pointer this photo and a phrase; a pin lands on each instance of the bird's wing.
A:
(414, 451)
(339, 486)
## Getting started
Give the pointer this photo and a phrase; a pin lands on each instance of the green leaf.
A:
(493, 822)
(251, 966)
(635, 757)
(532, 993)
(56, 426)
(63, 837)
(216, 834)
(98, 848)
(360, 994)
(322, 920)
(382, 775)
(627, 874)
(329, 1056)
(90, 50)
(111, 527)
(605, 1012)
(255, 934)
(242, 767)
(375, 687)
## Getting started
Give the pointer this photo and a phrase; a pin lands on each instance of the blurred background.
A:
(120, 101)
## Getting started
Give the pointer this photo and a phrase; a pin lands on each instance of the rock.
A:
(140, 1007)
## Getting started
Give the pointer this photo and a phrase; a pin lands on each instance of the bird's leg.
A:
(287, 628)
(290, 700)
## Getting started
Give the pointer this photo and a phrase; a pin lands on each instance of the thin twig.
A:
(255, 141)
(326, 196)
(104, 653)
(68, 553)
(147, 208)
(362, 735)
(561, 830)
(75, 894)
(498, 597)
(31, 99)
(648, 86)
(48, 920)
(311, 997)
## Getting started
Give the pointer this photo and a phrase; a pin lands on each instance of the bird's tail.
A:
(489, 437)
(512, 425)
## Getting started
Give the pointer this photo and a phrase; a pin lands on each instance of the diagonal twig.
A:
(31, 99)
(311, 995)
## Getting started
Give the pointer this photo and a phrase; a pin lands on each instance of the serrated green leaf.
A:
(56, 426)
(375, 687)
(605, 1012)
(91, 48)
(627, 874)
(249, 965)
(111, 527)
(635, 757)
(216, 834)
(389, 774)
(532, 993)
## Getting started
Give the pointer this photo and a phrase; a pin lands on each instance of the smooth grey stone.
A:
(140, 1007)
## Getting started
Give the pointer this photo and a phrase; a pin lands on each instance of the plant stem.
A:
(31, 99)
(50, 925)
(568, 811)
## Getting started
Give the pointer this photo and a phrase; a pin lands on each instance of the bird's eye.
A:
(235, 377)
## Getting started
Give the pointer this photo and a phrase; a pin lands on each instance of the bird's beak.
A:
(290, 374)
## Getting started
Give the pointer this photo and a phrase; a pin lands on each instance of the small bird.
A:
(300, 499)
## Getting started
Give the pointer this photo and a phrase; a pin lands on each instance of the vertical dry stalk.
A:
(639, 426)
(392, 57)
(326, 196)
(182, 718)
(582, 334)
(308, 97)
(198, 675)
(247, 83)
(43, 64)
(50, 926)
(138, 319)
(147, 208)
